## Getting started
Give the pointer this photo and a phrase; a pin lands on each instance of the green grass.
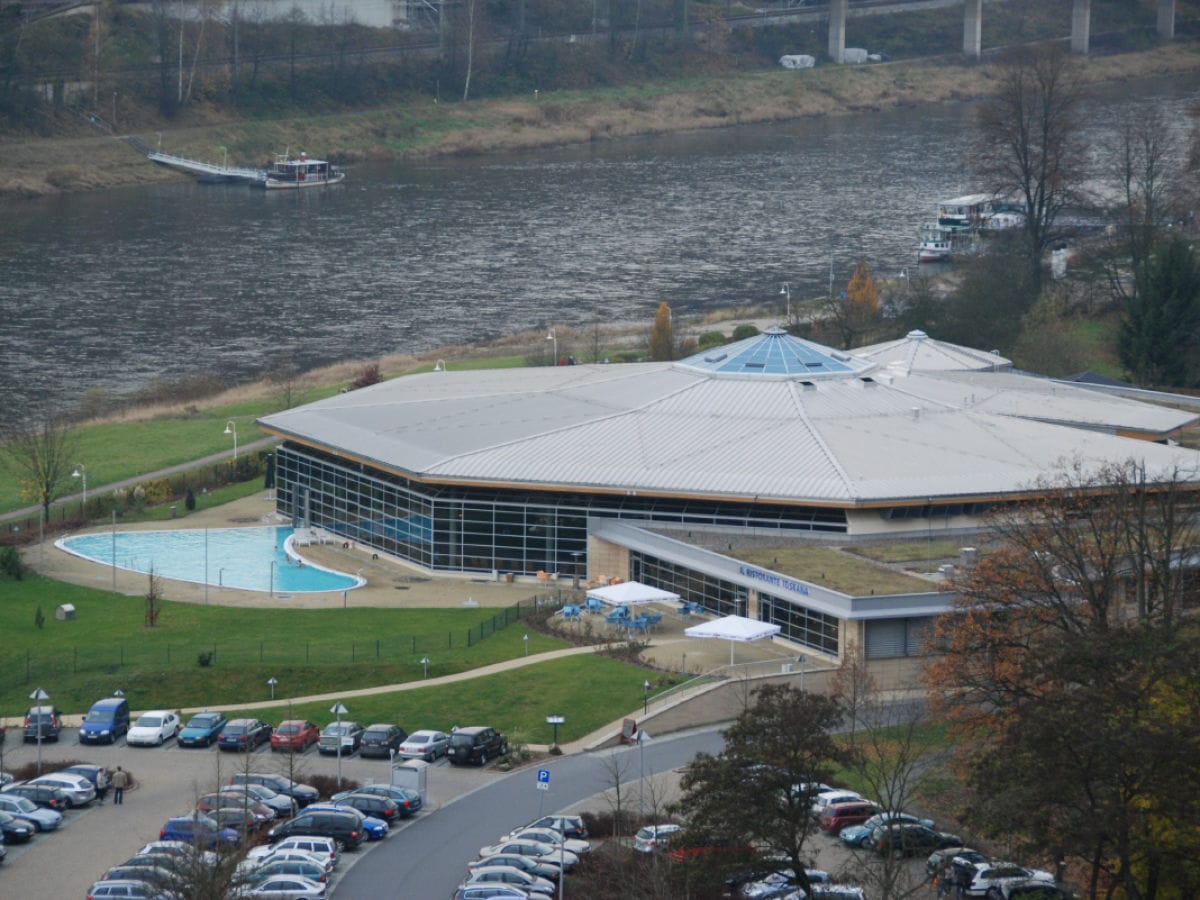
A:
(909, 551)
(588, 691)
(107, 647)
(834, 569)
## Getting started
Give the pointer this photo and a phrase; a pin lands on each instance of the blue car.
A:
(199, 831)
(375, 829)
(201, 730)
(860, 835)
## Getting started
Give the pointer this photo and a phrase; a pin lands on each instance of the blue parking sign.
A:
(543, 779)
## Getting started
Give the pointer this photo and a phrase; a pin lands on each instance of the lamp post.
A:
(272, 681)
(786, 291)
(555, 721)
(526, 640)
(81, 472)
(642, 739)
(645, 698)
(38, 696)
(551, 336)
(576, 555)
(425, 666)
(231, 428)
(337, 709)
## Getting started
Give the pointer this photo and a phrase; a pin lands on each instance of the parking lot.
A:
(64, 863)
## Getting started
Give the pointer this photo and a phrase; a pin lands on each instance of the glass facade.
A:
(800, 624)
(716, 595)
(454, 528)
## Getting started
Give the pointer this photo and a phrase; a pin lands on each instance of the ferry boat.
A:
(300, 172)
(936, 243)
(966, 213)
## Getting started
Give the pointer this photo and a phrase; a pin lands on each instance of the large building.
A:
(620, 469)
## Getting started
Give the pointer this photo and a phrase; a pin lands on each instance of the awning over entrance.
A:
(629, 593)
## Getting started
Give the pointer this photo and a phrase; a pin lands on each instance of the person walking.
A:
(120, 781)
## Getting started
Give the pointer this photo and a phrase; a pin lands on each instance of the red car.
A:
(295, 734)
(837, 816)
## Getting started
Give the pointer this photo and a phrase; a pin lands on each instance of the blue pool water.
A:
(230, 557)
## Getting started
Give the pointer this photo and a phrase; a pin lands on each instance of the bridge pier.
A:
(1166, 19)
(837, 29)
(1081, 24)
(973, 29)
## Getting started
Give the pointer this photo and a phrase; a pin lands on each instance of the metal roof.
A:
(861, 438)
(917, 351)
(775, 352)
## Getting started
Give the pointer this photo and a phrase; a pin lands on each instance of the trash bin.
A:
(509, 577)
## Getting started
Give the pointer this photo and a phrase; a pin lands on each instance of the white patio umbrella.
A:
(733, 629)
(630, 593)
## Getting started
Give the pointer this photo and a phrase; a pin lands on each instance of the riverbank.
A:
(425, 128)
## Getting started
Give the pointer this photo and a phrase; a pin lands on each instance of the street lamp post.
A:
(272, 681)
(425, 666)
(526, 640)
(337, 709)
(576, 555)
(231, 428)
(642, 739)
(786, 290)
(555, 721)
(81, 472)
(551, 336)
(38, 697)
(645, 698)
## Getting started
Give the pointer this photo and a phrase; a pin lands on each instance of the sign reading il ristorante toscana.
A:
(771, 578)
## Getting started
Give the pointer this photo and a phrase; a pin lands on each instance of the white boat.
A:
(1002, 221)
(300, 172)
(966, 213)
(936, 243)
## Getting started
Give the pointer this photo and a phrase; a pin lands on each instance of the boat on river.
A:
(300, 172)
(936, 243)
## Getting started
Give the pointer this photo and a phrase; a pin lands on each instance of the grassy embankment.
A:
(108, 647)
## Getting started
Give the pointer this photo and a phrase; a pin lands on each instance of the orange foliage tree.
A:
(1069, 666)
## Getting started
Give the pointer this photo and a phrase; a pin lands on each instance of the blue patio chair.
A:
(593, 605)
(618, 616)
(570, 611)
(639, 625)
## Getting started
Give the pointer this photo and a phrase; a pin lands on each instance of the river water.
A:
(116, 288)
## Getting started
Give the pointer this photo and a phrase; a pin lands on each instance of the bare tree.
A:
(1029, 146)
(41, 457)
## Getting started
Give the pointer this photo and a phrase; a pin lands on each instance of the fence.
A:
(118, 656)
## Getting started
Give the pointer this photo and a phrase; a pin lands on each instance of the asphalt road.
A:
(429, 859)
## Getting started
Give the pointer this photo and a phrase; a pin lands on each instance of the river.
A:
(114, 289)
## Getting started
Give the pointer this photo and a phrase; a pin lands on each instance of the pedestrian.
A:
(120, 781)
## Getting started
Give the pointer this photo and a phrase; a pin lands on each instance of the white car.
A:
(256, 860)
(79, 791)
(838, 795)
(286, 887)
(549, 836)
(648, 839)
(536, 849)
(153, 728)
(24, 808)
(513, 876)
(181, 849)
(323, 848)
(424, 744)
(988, 875)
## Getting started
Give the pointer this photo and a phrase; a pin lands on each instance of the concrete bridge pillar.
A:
(1081, 24)
(1166, 19)
(837, 29)
(973, 29)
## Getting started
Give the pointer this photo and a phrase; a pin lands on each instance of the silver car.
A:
(24, 808)
(79, 790)
(425, 744)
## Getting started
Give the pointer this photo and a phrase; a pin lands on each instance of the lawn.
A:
(588, 691)
(834, 569)
(910, 551)
(107, 646)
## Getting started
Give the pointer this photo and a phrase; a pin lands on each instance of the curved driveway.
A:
(428, 859)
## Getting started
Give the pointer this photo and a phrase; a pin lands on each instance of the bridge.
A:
(1081, 15)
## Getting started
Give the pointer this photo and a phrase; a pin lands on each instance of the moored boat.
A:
(936, 243)
(300, 172)
(964, 213)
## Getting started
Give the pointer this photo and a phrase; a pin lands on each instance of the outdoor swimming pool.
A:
(252, 559)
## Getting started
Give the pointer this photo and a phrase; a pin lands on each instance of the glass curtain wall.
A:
(715, 594)
(800, 624)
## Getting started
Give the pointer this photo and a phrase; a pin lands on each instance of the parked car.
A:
(512, 876)
(860, 835)
(281, 804)
(323, 849)
(79, 790)
(910, 838)
(200, 831)
(45, 721)
(986, 876)
(536, 849)
(259, 857)
(426, 745)
(476, 745)
(97, 775)
(152, 875)
(374, 828)
(836, 816)
(653, 837)
(382, 740)
(201, 730)
(295, 734)
(106, 721)
(42, 795)
(24, 808)
(182, 851)
(303, 794)
(123, 889)
(494, 892)
(549, 836)
(286, 887)
(343, 827)
(347, 735)
(534, 866)
(408, 800)
(837, 795)
(16, 830)
(309, 868)
(1027, 889)
(243, 734)
(153, 728)
(238, 818)
(940, 859)
(234, 799)
(568, 826)
(373, 805)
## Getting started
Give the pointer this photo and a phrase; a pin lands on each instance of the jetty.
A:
(204, 171)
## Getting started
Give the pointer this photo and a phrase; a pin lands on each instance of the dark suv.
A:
(382, 740)
(343, 827)
(476, 745)
(46, 720)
